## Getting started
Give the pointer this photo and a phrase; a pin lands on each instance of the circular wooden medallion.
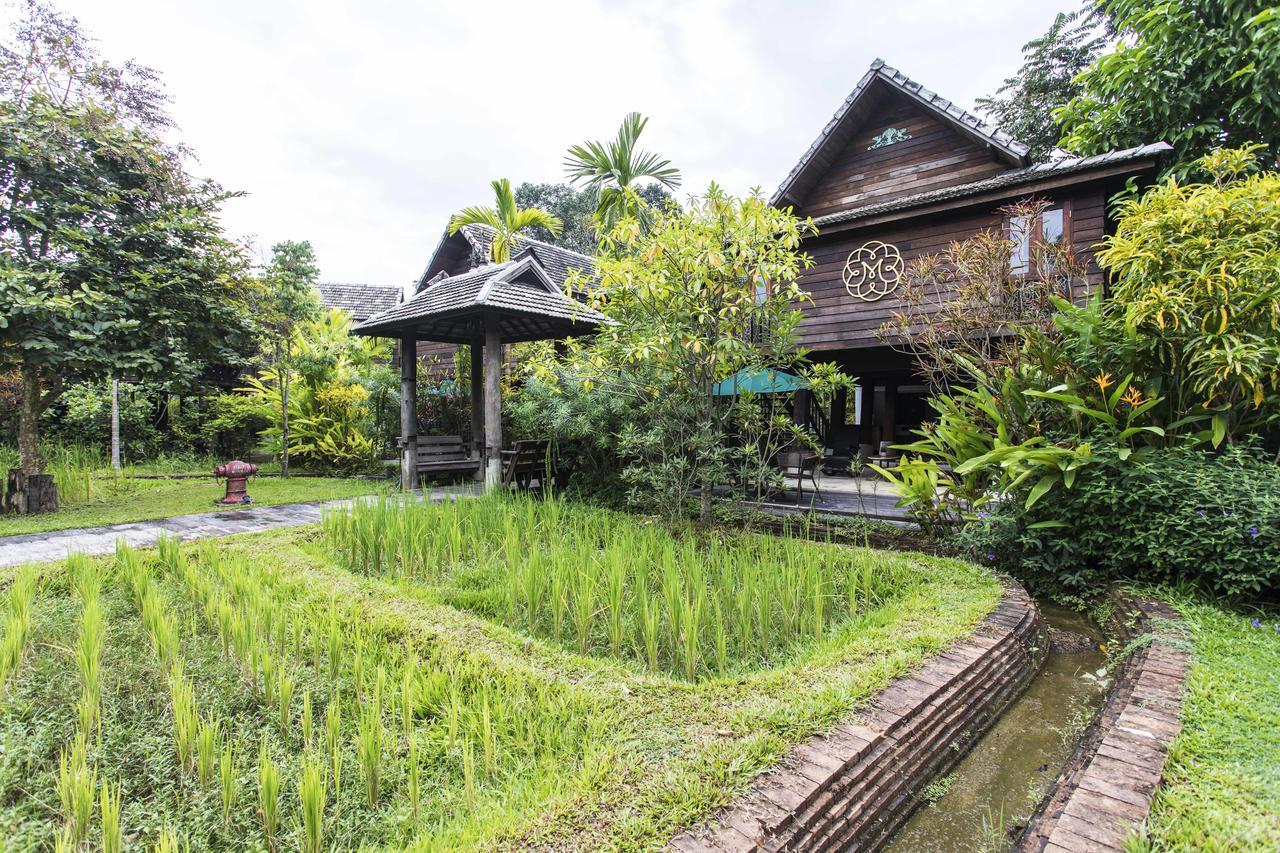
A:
(872, 271)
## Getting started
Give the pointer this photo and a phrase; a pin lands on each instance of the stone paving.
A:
(56, 544)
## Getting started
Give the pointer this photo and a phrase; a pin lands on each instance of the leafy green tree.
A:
(506, 218)
(614, 169)
(1025, 103)
(1198, 74)
(703, 293)
(576, 210)
(112, 258)
(288, 299)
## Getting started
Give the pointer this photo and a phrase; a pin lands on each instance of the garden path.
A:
(56, 544)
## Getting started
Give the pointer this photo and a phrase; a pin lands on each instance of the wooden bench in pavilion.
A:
(445, 454)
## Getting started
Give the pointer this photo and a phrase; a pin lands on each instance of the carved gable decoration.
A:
(889, 137)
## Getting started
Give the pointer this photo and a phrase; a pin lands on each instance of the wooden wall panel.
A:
(936, 156)
(835, 320)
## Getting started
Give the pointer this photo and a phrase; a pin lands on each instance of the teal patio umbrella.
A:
(758, 381)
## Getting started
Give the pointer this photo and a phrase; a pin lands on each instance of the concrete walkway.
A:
(56, 544)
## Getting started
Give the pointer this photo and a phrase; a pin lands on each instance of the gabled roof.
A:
(1005, 180)
(474, 242)
(521, 293)
(847, 118)
(359, 300)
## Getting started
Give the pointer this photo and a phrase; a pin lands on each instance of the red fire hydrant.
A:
(237, 474)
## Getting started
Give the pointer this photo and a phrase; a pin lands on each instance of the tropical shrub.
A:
(1173, 514)
(329, 416)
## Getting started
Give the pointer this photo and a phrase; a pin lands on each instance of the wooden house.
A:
(900, 172)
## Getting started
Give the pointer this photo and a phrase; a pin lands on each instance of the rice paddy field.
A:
(491, 673)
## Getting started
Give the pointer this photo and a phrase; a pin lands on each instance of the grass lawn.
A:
(382, 680)
(1221, 786)
(130, 499)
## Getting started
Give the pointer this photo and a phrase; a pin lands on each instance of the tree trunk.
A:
(28, 489)
(32, 461)
(284, 410)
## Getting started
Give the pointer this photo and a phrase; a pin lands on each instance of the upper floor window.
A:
(1031, 235)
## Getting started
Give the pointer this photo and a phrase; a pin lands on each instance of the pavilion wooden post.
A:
(408, 413)
(492, 404)
(888, 424)
(477, 397)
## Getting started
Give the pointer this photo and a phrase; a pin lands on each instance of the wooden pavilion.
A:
(483, 308)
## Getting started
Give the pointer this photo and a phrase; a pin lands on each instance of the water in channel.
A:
(997, 786)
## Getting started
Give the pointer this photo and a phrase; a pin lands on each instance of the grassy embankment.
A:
(1221, 787)
(403, 679)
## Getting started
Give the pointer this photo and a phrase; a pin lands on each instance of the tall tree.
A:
(1198, 74)
(615, 169)
(288, 299)
(1024, 105)
(506, 218)
(112, 257)
(576, 209)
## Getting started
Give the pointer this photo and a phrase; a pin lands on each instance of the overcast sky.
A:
(362, 126)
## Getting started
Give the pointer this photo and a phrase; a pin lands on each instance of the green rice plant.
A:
(17, 626)
(650, 613)
(307, 721)
(487, 739)
(170, 842)
(109, 810)
(413, 774)
(284, 700)
(691, 622)
(76, 784)
(85, 576)
(615, 593)
(369, 747)
(410, 677)
(208, 735)
(721, 638)
(584, 606)
(186, 721)
(312, 794)
(268, 793)
(88, 655)
(469, 774)
(227, 778)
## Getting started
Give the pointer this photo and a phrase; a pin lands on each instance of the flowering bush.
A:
(1165, 515)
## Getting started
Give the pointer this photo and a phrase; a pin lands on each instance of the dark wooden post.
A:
(409, 413)
(477, 397)
(492, 403)
(890, 411)
(865, 417)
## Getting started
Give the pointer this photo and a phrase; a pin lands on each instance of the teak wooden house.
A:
(900, 172)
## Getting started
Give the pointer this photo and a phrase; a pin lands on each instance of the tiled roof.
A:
(555, 261)
(962, 120)
(1012, 178)
(361, 301)
(522, 285)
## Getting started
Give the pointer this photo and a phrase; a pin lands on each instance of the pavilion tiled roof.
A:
(522, 290)
(1006, 180)
(361, 301)
(557, 262)
(879, 73)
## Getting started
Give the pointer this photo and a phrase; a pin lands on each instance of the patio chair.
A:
(525, 461)
(800, 465)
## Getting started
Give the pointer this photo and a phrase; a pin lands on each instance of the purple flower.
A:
(984, 514)
(1257, 623)
(991, 558)
(1200, 513)
(1253, 532)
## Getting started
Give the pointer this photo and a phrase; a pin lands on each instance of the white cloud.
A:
(363, 126)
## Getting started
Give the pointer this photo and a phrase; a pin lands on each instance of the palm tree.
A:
(506, 219)
(612, 169)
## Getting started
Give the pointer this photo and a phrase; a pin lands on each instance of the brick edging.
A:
(856, 786)
(1107, 785)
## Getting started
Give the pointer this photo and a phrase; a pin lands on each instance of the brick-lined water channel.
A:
(988, 797)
